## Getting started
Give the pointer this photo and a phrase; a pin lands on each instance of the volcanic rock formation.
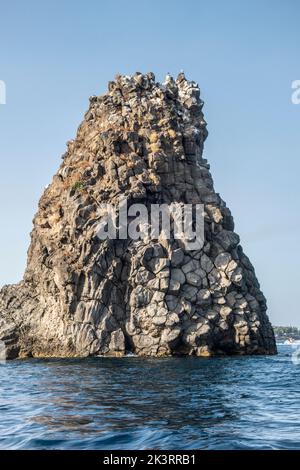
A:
(81, 296)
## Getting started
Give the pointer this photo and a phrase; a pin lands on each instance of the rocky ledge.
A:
(81, 296)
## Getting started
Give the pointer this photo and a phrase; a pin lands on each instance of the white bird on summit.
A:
(168, 79)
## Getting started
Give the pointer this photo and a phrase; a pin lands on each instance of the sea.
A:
(136, 403)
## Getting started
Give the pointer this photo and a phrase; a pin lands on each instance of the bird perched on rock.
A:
(168, 79)
(181, 76)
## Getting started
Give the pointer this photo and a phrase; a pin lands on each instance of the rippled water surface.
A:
(134, 403)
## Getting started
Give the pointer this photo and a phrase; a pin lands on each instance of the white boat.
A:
(291, 341)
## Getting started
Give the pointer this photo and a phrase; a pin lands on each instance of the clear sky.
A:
(244, 54)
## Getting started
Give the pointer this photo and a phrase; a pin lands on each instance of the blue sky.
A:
(244, 54)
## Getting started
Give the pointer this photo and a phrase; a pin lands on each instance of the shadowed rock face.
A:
(82, 296)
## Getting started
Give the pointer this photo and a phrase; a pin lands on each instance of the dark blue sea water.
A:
(134, 403)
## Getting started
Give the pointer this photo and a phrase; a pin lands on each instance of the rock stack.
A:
(82, 296)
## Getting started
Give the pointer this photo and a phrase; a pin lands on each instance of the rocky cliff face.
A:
(82, 296)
